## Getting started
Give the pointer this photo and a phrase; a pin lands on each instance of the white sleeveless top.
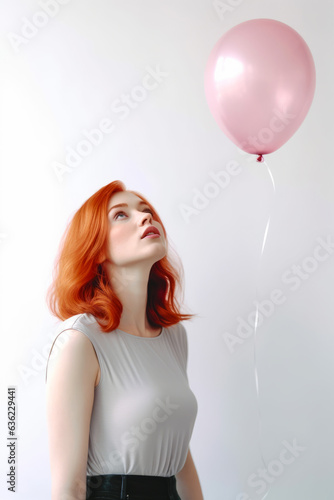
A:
(144, 410)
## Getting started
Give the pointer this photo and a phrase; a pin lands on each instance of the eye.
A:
(118, 213)
(121, 212)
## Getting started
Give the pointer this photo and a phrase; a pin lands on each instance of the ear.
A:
(101, 258)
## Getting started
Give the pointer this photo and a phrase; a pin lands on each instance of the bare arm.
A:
(71, 379)
(187, 481)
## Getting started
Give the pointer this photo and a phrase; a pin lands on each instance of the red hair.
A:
(81, 284)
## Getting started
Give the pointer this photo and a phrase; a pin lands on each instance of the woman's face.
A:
(127, 225)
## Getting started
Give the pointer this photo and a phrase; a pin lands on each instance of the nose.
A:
(147, 216)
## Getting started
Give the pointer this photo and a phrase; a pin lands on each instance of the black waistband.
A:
(129, 483)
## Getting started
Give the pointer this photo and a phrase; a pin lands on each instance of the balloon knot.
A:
(260, 158)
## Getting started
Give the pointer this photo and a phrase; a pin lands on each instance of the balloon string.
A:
(256, 321)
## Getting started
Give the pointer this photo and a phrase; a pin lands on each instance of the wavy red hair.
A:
(81, 284)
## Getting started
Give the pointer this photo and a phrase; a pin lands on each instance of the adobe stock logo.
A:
(30, 28)
(264, 477)
(225, 7)
(278, 122)
(131, 438)
(201, 198)
(121, 107)
(149, 425)
(294, 277)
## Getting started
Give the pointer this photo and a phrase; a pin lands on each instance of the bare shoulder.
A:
(73, 352)
(69, 401)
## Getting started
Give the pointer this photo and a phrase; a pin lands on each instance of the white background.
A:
(63, 81)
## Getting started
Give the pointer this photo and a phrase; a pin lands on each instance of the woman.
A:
(119, 407)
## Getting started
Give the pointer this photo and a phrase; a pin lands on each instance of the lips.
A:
(150, 229)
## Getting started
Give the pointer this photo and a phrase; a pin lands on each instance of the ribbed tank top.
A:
(144, 410)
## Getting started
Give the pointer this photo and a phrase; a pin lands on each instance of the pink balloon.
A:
(259, 84)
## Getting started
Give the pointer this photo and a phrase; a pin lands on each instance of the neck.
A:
(130, 286)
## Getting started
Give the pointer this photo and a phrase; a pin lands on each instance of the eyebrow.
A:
(126, 205)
